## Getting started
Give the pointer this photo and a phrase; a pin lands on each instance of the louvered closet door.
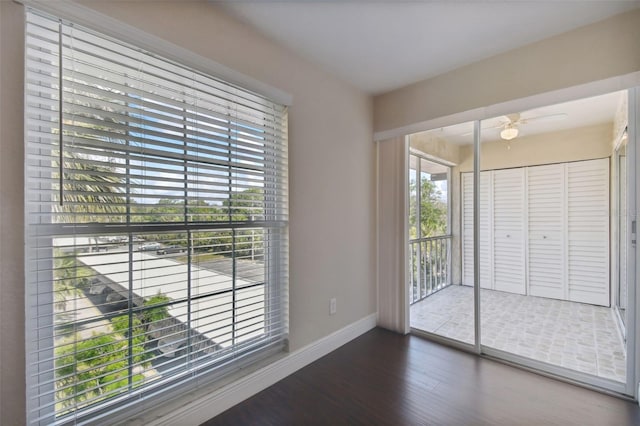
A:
(486, 275)
(508, 227)
(588, 236)
(486, 227)
(546, 223)
(467, 229)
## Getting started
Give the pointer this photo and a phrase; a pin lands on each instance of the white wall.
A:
(332, 182)
(12, 404)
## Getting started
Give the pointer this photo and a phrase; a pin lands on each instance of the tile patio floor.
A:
(573, 335)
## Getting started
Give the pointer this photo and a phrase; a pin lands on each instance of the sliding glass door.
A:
(549, 212)
(542, 258)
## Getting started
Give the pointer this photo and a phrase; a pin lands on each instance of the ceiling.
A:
(379, 46)
(552, 118)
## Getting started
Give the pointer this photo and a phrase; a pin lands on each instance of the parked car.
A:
(117, 239)
(149, 246)
(170, 249)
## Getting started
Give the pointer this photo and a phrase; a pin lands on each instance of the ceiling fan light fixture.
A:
(509, 133)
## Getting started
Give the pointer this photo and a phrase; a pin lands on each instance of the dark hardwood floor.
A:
(383, 378)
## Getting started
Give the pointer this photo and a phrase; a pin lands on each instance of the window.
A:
(428, 207)
(429, 239)
(156, 202)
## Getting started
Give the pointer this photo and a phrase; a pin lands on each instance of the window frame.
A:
(422, 157)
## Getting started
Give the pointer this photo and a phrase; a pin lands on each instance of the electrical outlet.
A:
(332, 306)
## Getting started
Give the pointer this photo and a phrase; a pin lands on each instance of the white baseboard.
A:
(197, 411)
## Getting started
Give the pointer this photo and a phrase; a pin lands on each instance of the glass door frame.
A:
(633, 295)
(621, 165)
(420, 157)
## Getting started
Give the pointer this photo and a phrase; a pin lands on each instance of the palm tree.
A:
(90, 192)
(65, 279)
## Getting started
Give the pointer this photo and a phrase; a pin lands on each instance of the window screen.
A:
(156, 205)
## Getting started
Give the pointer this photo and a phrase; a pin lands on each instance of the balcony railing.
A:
(428, 266)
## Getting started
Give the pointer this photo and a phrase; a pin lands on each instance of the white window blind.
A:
(156, 204)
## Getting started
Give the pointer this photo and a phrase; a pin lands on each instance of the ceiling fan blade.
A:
(547, 117)
(497, 126)
(513, 118)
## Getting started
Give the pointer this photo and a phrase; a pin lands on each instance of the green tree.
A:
(121, 325)
(96, 367)
(433, 210)
(242, 206)
(246, 204)
(201, 211)
(153, 312)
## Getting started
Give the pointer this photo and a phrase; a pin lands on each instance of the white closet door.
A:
(486, 228)
(546, 231)
(467, 229)
(508, 231)
(486, 269)
(588, 236)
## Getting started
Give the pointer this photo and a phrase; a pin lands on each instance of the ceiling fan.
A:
(510, 125)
